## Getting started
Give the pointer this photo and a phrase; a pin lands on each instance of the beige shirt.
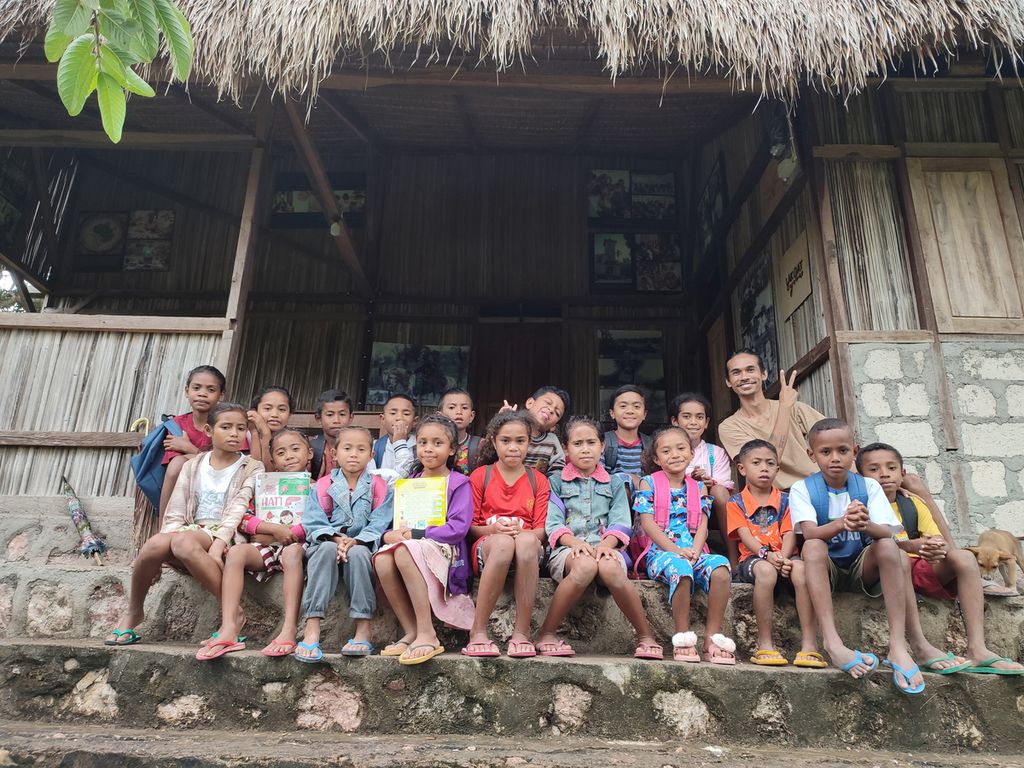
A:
(794, 463)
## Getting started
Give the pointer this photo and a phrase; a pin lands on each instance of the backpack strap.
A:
(174, 428)
(908, 514)
(693, 505)
(662, 498)
(318, 446)
(322, 495)
(472, 451)
(533, 480)
(818, 492)
(611, 450)
(487, 477)
(379, 446)
(857, 488)
(645, 441)
(380, 491)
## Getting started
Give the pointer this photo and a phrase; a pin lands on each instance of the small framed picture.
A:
(659, 262)
(99, 241)
(608, 195)
(295, 206)
(611, 259)
(151, 225)
(147, 256)
(654, 208)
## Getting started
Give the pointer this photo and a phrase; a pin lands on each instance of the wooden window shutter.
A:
(972, 243)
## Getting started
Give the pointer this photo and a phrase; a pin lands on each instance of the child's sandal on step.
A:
(724, 645)
(684, 647)
(768, 658)
(810, 660)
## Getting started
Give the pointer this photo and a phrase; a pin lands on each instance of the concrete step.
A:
(83, 746)
(160, 685)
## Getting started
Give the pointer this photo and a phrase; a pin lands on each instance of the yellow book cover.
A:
(421, 502)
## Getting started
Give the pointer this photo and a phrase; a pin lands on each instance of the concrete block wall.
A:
(979, 483)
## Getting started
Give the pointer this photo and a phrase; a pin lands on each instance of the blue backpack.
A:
(147, 464)
(818, 491)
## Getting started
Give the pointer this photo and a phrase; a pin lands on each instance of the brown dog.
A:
(1002, 550)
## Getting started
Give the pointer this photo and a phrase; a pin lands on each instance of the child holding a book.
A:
(270, 411)
(510, 503)
(346, 515)
(424, 570)
(272, 547)
(588, 527)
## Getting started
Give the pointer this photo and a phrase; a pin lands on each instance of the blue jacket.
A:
(590, 517)
(352, 517)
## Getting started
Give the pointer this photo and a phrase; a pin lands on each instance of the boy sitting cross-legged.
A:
(839, 513)
(759, 519)
(938, 569)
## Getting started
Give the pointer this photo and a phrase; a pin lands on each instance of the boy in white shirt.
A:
(849, 544)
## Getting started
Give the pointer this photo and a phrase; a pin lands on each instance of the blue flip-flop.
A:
(366, 650)
(906, 674)
(318, 654)
(861, 658)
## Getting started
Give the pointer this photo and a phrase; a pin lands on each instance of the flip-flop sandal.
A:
(861, 658)
(766, 658)
(218, 648)
(906, 674)
(810, 660)
(288, 648)
(994, 591)
(491, 651)
(684, 647)
(555, 648)
(317, 653)
(985, 668)
(724, 644)
(394, 650)
(131, 634)
(929, 666)
(365, 649)
(649, 651)
(409, 661)
(527, 654)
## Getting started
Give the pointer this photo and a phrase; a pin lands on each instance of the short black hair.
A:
(745, 351)
(456, 391)
(221, 408)
(753, 445)
(826, 425)
(583, 421)
(215, 372)
(288, 431)
(558, 392)
(622, 391)
(688, 397)
(267, 390)
(871, 448)
(332, 396)
(400, 396)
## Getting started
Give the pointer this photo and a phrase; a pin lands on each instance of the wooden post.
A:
(245, 249)
(26, 299)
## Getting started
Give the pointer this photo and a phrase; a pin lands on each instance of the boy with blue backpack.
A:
(758, 518)
(849, 532)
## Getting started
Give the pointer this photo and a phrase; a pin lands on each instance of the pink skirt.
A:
(433, 560)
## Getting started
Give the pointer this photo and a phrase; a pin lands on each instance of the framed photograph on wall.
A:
(653, 198)
(611, 260)
(754, 314)
(708, 213)
(421, 370)
(658, 260)
(296, 207)
(99, 241)
(608, 195)
(633, 357)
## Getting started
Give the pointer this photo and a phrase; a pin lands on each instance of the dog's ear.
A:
(1007, 556)
(972, 550)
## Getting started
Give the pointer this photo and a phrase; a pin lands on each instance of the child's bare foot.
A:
(520, 646)
(283, 645)
(903, 659)
(125, 630)
(810, 658)
(985, 655)
(480, 644)
(853, 663)
(422, 645)
(647, 647)
(398, 647)
(936, 660)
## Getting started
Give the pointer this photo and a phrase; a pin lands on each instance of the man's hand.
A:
(787, 391)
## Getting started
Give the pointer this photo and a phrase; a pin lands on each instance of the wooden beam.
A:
(257, 185)
(71, 439)
(179, 92)
(815, 357)
(352, 120)
(467, 122)
(317, 174)
(942, 149)
(77, 139)
(885, 337)
(57, 321)
(31, 277)
(41, 181)
(585, 124)
(26, 298)
(857, 152)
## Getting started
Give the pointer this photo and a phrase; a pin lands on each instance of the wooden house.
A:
(562, 192)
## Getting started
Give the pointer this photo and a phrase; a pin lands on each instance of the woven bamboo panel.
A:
(874, 258)
(856, 120)
(946, 116)
(816, 390)
(1014, 100)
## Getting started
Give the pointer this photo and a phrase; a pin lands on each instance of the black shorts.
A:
(745, 574)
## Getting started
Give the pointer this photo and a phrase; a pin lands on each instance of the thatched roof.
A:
(765, 45)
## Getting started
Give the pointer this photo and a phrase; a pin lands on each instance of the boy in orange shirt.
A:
(758, 518)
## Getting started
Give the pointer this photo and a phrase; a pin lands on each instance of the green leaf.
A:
(77, 73)
(125, 33)
(56, 43)
(179, 37)
(112, 106)
(144, 12)
(63, 10)
(92, 5)
(79, 22)
(127, 58)
(111, 65)
(137, 85)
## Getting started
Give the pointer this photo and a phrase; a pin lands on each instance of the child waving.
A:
(510, 505)
(588, 527)
(425, 571)
(677, 555)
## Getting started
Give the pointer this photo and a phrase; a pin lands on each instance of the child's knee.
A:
(156, 546)
(527, 549)
(323, 551)
(611, 572)
(764, 573)
(886, 551)
(963, 561)
(292, 555)
(721, 576)
(183, 546)
(584, 570)
(814, 551)
(797, 575)
(499, 546)
(359, 557)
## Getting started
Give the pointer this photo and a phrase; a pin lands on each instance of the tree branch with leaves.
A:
(99, 43)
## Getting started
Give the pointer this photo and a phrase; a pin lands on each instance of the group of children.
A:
(596, 507)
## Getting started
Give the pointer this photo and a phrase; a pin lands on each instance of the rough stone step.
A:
(47, 746)
(81, 599)
(149, 686)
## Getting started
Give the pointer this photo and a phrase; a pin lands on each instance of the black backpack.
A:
(611, 447)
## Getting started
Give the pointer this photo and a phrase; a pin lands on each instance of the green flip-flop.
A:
(985, 668)
(131, 635)
(929, 666)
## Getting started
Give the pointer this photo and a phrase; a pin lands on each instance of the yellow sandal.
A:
(766, 658)
(810, 660)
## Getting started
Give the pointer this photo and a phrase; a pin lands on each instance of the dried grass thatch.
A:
(767, 45)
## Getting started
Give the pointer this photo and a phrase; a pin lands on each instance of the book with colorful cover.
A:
(281, 497)
(421, 502)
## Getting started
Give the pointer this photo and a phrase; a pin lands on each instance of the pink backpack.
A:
(380, 492)
(640, 542)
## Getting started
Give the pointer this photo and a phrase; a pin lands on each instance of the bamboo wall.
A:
(59, 381)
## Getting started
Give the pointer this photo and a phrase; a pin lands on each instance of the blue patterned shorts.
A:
(669, 568)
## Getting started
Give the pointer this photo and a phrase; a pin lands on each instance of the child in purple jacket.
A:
(425, 572)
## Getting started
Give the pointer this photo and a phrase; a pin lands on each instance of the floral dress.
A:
(669, 567)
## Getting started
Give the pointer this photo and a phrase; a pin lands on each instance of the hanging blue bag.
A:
(147, 464)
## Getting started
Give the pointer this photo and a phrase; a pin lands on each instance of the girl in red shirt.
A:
(510, 507)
